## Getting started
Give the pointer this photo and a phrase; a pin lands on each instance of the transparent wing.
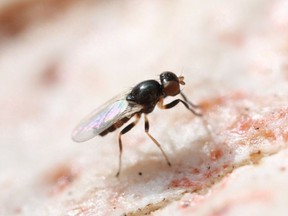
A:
(104, 117)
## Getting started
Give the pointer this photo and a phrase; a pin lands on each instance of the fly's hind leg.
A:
(155, 141)
(125, 130)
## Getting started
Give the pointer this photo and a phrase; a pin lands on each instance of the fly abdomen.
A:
(116, 125)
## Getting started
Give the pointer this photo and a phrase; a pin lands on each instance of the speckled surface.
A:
(59, 61)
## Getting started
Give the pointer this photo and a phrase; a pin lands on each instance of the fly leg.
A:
(175, 102)
(155, 141)
(187, 101)
(125, 130)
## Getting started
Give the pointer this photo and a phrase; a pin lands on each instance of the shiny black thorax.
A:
(147, 94)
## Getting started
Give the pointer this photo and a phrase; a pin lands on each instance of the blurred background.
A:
(60, 59)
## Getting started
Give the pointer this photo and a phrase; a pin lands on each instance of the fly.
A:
(142, 99)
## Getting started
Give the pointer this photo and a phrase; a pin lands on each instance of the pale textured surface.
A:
(60, 65)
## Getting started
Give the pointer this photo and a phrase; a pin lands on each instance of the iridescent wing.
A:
(104, 117)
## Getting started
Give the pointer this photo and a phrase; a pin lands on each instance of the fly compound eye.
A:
(170, 83)
(171, 88)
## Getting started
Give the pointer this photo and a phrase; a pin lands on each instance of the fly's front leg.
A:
(125, 130)
(187, 101)
(155, 141)
(174, 103)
